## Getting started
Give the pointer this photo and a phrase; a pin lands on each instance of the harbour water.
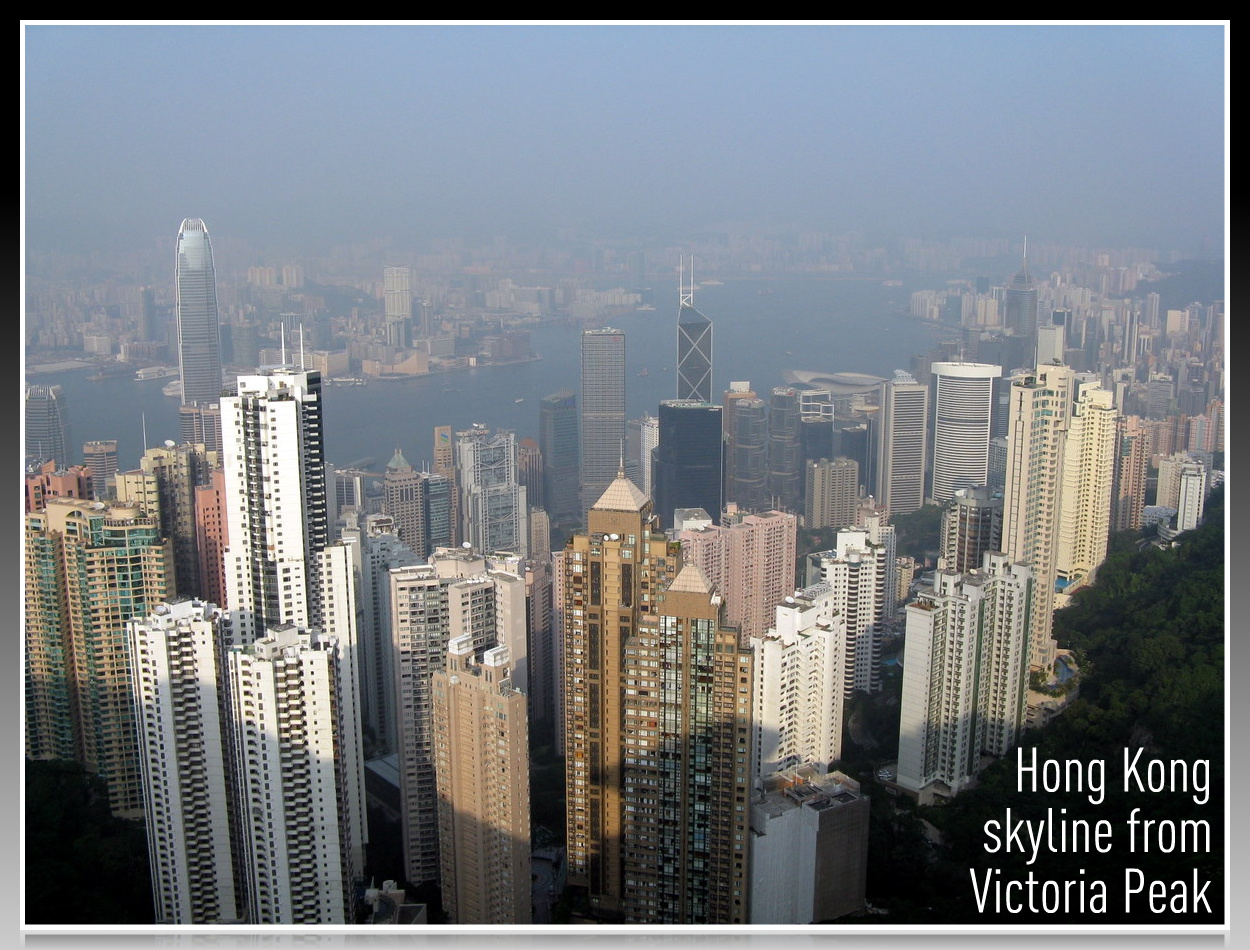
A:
(761, 328)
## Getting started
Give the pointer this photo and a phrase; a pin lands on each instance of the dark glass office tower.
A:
(749, 489)
(694, 355)
(815, 437)
(689, 461)
(558, 442)
(784, 461)
(1020, 302)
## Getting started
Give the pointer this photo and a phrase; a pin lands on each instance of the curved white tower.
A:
(199, 335)
(962, 396)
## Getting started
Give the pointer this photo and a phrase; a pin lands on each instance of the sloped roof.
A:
(622, 495)
(691, 580)
(398, 463)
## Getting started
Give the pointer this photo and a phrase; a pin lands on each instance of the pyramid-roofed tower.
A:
(622, 495)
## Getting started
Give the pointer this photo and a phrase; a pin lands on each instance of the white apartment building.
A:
(965, 674)
(187, 779)
(798, 685)
(856, 572)
(299, 774)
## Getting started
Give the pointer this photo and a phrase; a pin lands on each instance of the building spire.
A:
(685, 296)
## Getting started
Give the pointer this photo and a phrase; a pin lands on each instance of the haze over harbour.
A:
(761, 328)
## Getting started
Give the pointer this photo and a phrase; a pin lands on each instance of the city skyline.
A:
(447, 677)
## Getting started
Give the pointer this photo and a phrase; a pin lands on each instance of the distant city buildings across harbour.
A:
(809, 325)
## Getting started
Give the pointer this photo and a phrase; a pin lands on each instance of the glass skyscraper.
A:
(603, 411)
(689, 460)
(46, 422)
(199, 335)
(694, 355)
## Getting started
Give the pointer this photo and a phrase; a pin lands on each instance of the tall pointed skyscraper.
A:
(1020, 302)
(199, 334)
(657, 725)
(46, 424)
(694, 349)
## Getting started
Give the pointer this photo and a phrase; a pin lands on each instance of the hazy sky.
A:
(306, 136)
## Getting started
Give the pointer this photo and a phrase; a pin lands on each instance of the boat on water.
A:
(173, 389)
(155, 372)
(645, 306)
(109, 370)
(644, 372)
(521, 400)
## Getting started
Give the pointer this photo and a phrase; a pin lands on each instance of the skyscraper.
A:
(798, 690)
(212, 537)
(558, 441)
(832, 494)
(809, 847)
(687, 470)
(457, 594)
(53, 480)
(694, 354)
(603, 411)
(749, 489)
(784, 460)
(176, 471)
(201, 425)
(972, 526)
(751, 558)
(965, 674)
(300, 776)
(481, 766)
(376, 550)
(276, 503)
(1037, 425)
(199, 334)
(1086, 485)
(857, 571)
(420, 504)
(47, 422)
(100, 456)
(642, 436)
(1192, 496)
(89, 568)
(962, 399)
(188, 780)
(530, 473)
(493, 506)
(1131, 465)
(1050, 340)
(445, 464)
(737, 391)
(397, 293)
(685, 843)
(656, 730)
(1020, 305)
